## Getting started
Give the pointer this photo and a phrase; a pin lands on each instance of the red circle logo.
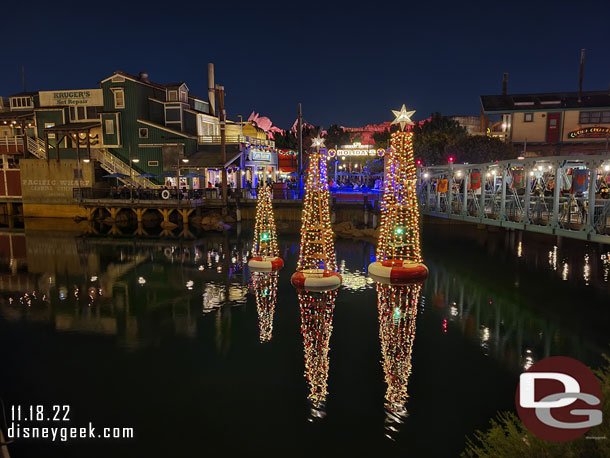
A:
(558, 399)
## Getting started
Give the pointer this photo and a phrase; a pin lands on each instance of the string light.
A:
(265, 291)
(316, 328)
(317, 241)
(265, 232)
(399, 236)
(397, 311)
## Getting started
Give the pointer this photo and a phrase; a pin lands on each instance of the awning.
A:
(73, 127)
(213, 159)
(287, 169)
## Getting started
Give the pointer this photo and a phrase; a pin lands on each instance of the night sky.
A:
(347, 64)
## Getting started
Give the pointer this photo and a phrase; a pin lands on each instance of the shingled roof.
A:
(550, 100)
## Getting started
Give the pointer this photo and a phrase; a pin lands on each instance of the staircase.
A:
(108, 161)
(113, 164)
(36, 146)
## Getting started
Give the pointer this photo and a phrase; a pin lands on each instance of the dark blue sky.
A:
(347, 64)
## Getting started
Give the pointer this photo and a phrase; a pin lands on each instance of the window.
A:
(183, 97)
(119, 98)
(172, 114)
(528, 117)
(48, 125)
(153, 163)
(143, 132)
(594, 117)
(172, 96)
(109, 125)
(92, 113)
(78, 174)
(80, 111)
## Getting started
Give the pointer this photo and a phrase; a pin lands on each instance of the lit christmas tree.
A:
(265, 291)
(397, 308)
(398, 249)
(316, 327)
(265, 250)
(317, 265)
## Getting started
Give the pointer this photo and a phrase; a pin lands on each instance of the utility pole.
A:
(220, 95)
(300, 134)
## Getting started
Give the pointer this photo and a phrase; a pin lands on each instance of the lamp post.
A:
(132, 161)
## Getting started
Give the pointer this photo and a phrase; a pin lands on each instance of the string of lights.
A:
(265, 291)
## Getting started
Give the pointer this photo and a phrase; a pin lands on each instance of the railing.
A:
(534, 194)
(11, 144)
(215, 139)
(113, 164)
(37, 147)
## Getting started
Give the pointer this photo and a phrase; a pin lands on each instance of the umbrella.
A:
(146, 175)
(192, 175)
(167, 175)
(115, 175)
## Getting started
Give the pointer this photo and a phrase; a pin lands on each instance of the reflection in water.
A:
(316, 327)
(605, 257)
(265, 291)
(397, 308)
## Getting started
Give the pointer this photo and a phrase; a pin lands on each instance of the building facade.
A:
(551, 123)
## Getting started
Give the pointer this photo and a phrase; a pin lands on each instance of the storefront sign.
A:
(590, 132)
(89, 97)
(356, 149)
(260, 156)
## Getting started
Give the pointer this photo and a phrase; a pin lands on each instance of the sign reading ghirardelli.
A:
(91, 97)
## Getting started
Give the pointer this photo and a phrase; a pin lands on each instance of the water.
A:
(164, 336)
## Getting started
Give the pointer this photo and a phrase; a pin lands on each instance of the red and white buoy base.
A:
(316, 280)
(265, 263)
(397, 271)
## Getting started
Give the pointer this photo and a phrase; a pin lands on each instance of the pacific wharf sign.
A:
(87, 97)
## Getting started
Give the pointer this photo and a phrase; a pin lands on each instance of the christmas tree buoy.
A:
(398, 250)
(265, 291)
(397, 308)
(265, 251)
(316, 268)
(316, 327)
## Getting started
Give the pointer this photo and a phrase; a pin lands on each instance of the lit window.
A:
(528, 117)
(119, 98)
(109, 125)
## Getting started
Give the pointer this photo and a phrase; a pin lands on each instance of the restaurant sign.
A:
(89, 97)
(590, 132)
(356, 149)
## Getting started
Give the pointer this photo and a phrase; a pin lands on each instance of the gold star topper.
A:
(403, 117)
(317, 142)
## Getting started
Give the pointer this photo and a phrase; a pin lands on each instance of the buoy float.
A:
(265, 263)
(397, 271)
(316, 280)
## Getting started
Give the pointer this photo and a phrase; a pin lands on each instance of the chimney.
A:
(582, 71)
(504, 83)
(143, 77)
(211, 89)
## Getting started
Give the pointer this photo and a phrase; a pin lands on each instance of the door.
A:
(552, 127)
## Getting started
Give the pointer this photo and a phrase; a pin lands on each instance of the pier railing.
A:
(561, 195)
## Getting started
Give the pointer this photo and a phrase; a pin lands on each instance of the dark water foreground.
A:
(164, 336)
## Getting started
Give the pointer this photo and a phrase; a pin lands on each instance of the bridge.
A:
(559, 195)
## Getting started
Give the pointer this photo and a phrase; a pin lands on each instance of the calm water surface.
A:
(177, 340)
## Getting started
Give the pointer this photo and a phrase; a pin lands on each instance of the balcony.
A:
(234, 139)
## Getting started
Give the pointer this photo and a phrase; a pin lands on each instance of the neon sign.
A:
(590, 132)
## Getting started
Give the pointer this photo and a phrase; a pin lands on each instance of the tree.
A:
(432, 138)
(508, 438)
(382, 139)
(477, 149)
(335, 135)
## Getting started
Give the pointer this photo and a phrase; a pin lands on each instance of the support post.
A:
(220, 92)
(590, 224)
(450, 190)
(527, 196)
(556, 195)
(502, 216)
(484, 173)
(465, 192)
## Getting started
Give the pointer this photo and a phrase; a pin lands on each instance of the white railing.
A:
(36, 146)
(113, 164)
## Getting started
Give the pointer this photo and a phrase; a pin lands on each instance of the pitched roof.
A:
(550, 100)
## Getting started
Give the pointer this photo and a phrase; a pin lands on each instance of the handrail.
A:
(215, 139)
